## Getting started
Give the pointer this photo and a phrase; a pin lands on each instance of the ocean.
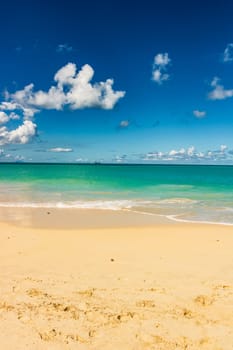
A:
(183, 193)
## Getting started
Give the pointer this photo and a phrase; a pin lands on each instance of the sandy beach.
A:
(157, 286)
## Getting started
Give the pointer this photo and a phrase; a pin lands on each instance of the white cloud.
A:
(175, 153)
(223, 148)
(8, 106)
(228, 53)
(159, 77)
(190, 155)
(19, 102)
(64, 48)
(199, 114)
(21, 135)
(72, 88)
(124, 123)
(30, 102)
(4, 118)
(21, 97)
(154, 156)
(161, 61)
(14, 116)
(53, 99)
(191, 151)
(219, 92)
(83, 94)
(60, 149)
(64, 75)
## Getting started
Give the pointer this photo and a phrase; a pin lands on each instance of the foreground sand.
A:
(162, 287)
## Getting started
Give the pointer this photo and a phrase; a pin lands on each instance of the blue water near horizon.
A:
(193, 193)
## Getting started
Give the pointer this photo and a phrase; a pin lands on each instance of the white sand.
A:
(164, 287)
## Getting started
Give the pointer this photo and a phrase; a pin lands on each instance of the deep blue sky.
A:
(119, 40)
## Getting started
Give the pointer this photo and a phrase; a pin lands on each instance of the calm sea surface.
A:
(181, 193)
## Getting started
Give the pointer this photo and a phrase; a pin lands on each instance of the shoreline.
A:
(72, 218)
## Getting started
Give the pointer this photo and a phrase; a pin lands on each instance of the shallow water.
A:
(182, 193)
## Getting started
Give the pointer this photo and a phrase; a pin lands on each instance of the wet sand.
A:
(155, 286)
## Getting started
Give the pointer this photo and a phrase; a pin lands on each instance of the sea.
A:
(181, 193)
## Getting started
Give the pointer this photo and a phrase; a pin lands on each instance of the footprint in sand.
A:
(53, 334)
(33, 292)
(204, 300)
(145, 303)
(6, 307)
(86, 292)
(48, 336)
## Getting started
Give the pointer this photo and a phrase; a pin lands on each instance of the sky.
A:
(116, 81)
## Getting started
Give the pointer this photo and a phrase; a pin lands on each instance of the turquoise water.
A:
(181, 193)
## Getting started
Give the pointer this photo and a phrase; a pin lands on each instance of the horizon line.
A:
(115, 164)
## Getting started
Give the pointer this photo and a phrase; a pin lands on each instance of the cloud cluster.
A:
(228, 53)
(219, 92)
(160, 64)
(7, 157)
(190, 154)
(72, 88)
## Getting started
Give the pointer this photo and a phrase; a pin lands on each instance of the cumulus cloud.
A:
(8, 106)
(160, 64)
(83, 94)
(199, 114)
(60, 149)
(64, 48)
(21, 135)
(18, 102)
(72, 88)
(228, 53)
(190, 154)
(219, 92)
(4, 118)
(159, 77)
(161, 59)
